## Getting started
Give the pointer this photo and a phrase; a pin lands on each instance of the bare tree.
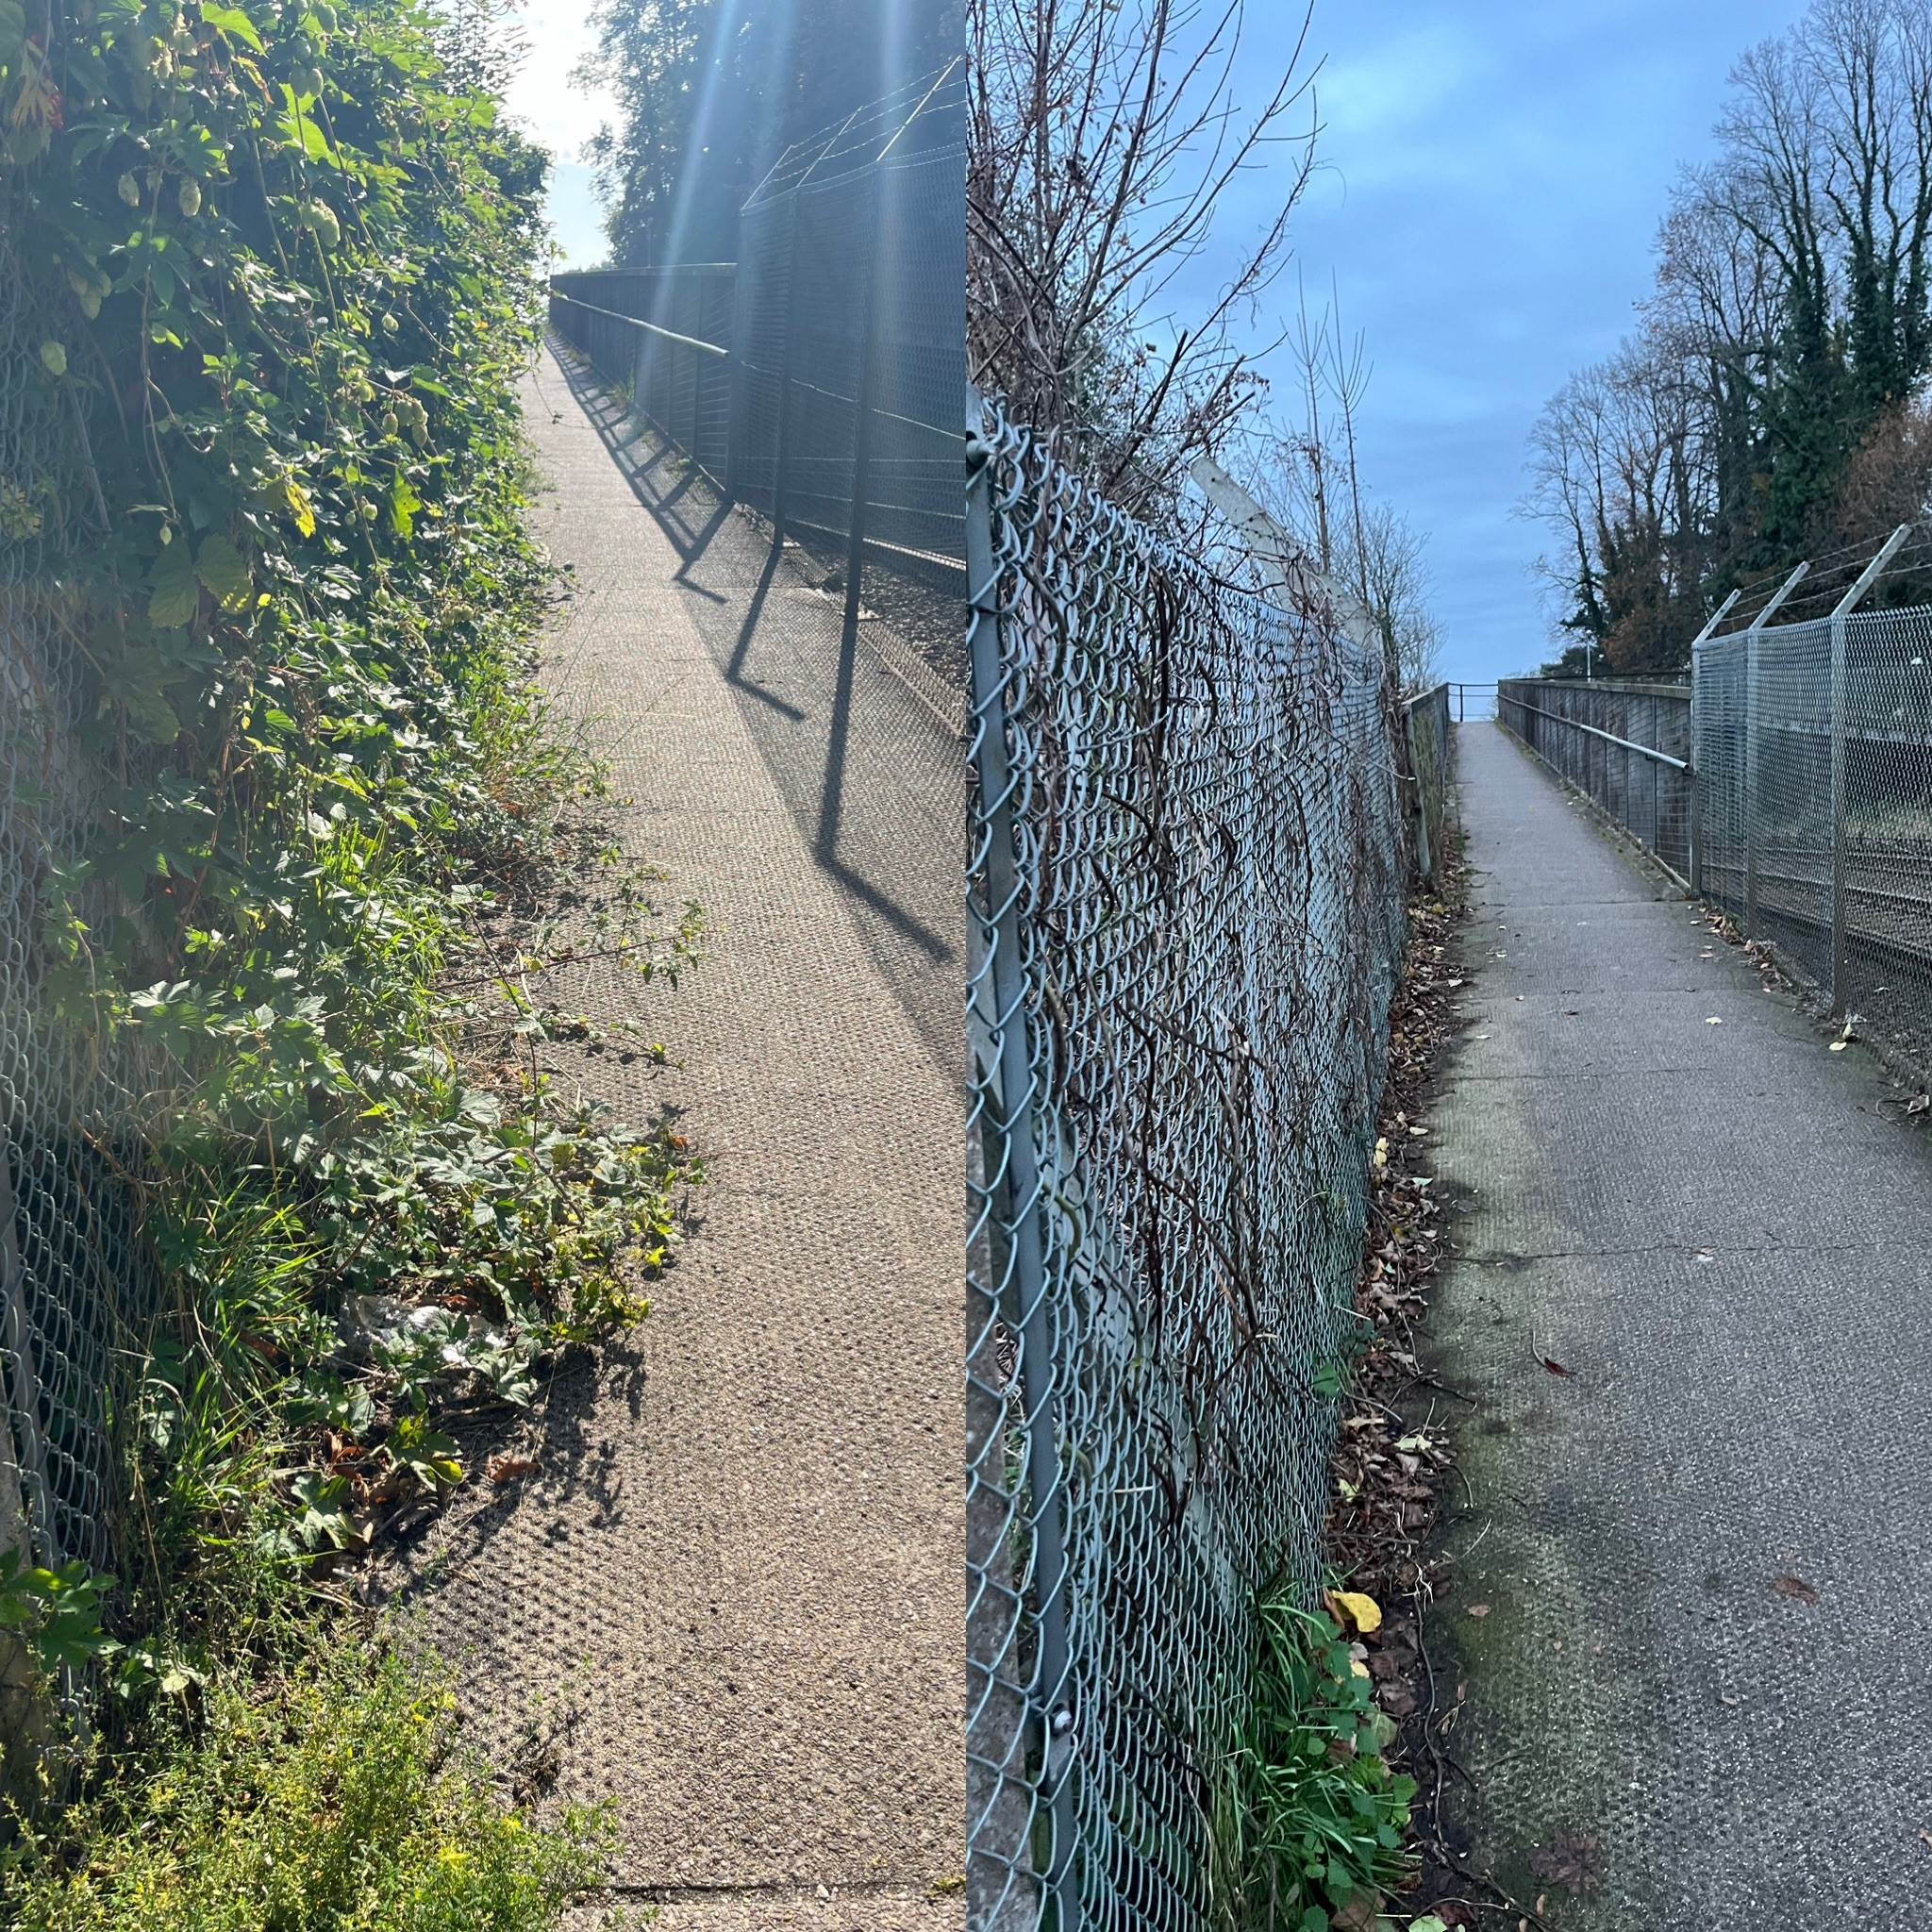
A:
(1103, 132)
(1388, 560)
(1306, 479)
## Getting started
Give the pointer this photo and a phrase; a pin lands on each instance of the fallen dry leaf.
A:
(1920, 1104)
(1476, 1611)
(1555, 1367)
(505, 1468)
(1356, 1612)
(1795, 1588)
(1570, 1860)
(1713, 1021)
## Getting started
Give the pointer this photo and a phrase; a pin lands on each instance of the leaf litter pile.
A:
(1394, 1448)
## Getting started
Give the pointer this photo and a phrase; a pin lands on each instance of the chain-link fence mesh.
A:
(1814, 761)
(69, 1257)
(1624, 746)
(818, 380)
(1186, 885)
(1426, 730)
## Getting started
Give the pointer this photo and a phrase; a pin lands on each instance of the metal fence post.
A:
(1752, 640)
(863, 404)
(1015, 1130)
(1695, 751)
(782, 458)
(1841, 625)
(1841, 638)
(695, 328)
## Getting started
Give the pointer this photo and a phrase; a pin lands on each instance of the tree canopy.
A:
(1768, 408)
(710, 92)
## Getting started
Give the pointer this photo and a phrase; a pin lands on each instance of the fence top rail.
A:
(1627, 686)
(675, 268)
(1649, 750)
(670, 335)
(1425, 692)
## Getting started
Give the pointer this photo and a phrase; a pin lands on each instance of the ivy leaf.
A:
(174, 594)
(12, 32)
(153, 717)
(219, 565)
(319, 1518)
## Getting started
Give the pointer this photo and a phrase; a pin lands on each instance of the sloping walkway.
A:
(1690, 1616)
(735, 1587)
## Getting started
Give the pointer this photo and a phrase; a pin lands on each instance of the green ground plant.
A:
(334, 1798)
(278, 278)
(1307, 1820)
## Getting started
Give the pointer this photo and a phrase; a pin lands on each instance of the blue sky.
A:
(1493, 177)
(1492, 174)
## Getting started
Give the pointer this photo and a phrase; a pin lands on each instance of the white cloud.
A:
(560, 114)
(544, 98)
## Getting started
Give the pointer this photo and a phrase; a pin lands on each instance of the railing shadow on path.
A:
(871, 780)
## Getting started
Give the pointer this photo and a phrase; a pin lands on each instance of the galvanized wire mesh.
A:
(1426, 730)
(1624, 746)
(1186, 878)
(1814, 761)
(69, 1258)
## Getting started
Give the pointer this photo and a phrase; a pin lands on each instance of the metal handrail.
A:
(670, 335)
(1649, 750)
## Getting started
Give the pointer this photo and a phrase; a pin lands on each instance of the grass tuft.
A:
(1307, 1820)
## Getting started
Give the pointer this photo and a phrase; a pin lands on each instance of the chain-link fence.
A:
(69, 1257)
(1425, 733)
(1790, 784)
(1185, 884)
(1814, 764)
(1625, 745)
(818, 380)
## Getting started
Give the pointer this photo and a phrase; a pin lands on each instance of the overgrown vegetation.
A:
(275, 280)
(1308, 1823)
(333, 1800)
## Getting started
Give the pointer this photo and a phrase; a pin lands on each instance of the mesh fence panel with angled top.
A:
(1186, 887)
(818, 378)
(1814, 763)
(70, 1260)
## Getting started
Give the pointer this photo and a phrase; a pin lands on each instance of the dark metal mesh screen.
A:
(678, 369)
(836, 412)
(1625, 746)
(1186, 879)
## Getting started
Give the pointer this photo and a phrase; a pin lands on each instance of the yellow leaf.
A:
(1363, 1612)
(300, 509)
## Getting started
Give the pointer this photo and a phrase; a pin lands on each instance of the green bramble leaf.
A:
(174, 597)
(219, 565)
(234, 23)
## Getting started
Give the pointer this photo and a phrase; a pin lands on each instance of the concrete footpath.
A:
(731, 1602)
(1690, 1619)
